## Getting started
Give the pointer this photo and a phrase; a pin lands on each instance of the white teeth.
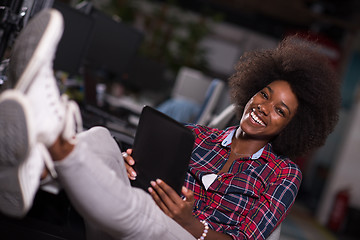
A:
(256, 119)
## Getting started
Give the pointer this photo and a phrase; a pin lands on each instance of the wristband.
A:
(206, 229)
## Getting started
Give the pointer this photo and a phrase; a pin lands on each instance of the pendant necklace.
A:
(240, 154)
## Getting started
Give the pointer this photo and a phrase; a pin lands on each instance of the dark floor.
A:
(53, 218)
(301, 225)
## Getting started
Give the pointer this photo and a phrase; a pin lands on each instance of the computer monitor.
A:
(72, 48)
(146, 74)
(112, 46)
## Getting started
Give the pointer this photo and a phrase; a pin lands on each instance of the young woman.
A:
(240, 182)
(241, 179)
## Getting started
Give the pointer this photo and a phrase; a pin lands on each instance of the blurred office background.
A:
(117, 55)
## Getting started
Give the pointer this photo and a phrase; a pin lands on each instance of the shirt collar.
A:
(228, 139)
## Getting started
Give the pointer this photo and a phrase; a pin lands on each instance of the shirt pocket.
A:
(240, 184)
(234, 196)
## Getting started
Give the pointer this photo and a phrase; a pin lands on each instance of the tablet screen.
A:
(162, 149)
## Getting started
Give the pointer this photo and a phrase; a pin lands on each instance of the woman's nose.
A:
(263, 109)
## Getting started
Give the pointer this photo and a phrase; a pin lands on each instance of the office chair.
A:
(194, 97)
(222, 120)
(208, 106)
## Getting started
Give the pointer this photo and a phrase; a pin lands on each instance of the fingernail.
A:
(133, 173)
(184, 189)
(131, 162)
(150, 190)
(158, 181)
(153, 183)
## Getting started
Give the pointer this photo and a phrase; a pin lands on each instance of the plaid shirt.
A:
(252, 198)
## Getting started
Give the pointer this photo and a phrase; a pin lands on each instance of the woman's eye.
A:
(264, 94)
(281, 112)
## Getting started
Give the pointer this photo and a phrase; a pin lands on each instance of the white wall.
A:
(346, 170)
(228, 42)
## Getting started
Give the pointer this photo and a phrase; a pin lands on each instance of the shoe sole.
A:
(50, 23)
(16, 139)
(14, 119)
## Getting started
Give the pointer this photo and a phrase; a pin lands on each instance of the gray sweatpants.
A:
(94, 177)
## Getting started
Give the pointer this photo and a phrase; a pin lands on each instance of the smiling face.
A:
(269, 111)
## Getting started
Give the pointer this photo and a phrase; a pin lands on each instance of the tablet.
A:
(162, 149)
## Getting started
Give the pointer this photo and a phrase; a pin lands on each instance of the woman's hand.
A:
(181, 209)
(129, 162)
(172, 204)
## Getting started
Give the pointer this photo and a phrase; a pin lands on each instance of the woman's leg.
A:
(95, 179)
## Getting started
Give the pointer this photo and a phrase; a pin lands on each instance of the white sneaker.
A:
(31, 71)
(20, 167)
(34, 115)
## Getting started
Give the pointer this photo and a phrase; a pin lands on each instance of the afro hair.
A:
(311, 77)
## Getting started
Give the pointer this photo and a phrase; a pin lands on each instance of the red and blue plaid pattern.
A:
(251, 199)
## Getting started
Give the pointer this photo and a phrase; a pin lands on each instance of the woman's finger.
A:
(168, 196)
(158, 200)
(169, 191)
(130, 172)
(127, 157)
(129, 162)
(188, 194)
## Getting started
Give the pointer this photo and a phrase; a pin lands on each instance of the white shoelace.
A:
(73, 125)
(47, 160)
(73, 122)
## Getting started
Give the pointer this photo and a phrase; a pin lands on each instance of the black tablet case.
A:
(162, 149)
